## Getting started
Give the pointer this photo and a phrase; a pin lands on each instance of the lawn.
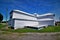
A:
(51, 29)
(25, 30)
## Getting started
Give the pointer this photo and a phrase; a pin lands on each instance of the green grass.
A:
(25, 30)
(51, 29)
(2, 26)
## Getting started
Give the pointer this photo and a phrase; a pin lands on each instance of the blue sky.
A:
(31, 6)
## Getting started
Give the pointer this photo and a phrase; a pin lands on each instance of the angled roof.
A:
(23, 12)
(37, 15)
(47, 14)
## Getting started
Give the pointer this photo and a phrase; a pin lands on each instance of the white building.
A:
(20, 19)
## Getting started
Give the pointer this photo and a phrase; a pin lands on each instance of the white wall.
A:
(46, 20)
(18, 24)
(21, 24)
(50, 22)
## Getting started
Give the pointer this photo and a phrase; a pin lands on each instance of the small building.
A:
(20, 19)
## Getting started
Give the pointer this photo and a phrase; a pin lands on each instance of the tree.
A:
(1, 17)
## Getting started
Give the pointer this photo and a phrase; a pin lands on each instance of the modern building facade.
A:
(20, 19)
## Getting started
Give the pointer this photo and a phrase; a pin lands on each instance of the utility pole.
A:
(6, 18)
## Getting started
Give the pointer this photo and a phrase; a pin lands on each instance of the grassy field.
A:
(11, 34)
(25, 30)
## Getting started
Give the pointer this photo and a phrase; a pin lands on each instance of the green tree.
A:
(1, 17)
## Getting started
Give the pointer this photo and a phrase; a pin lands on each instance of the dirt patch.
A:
(30, 36)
